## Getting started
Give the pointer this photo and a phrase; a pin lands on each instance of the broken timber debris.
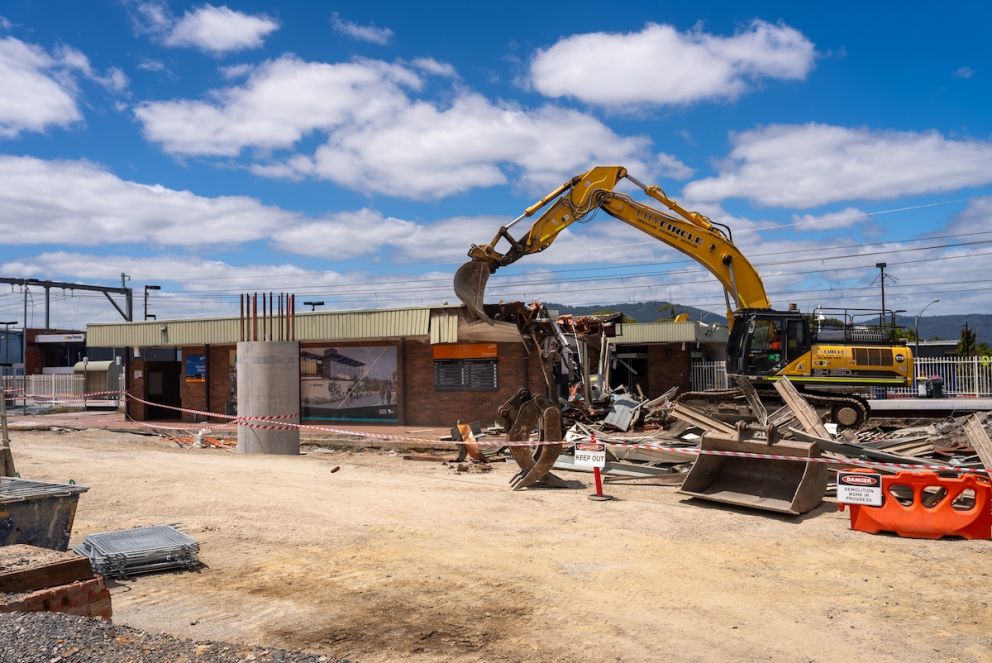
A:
(979, 440)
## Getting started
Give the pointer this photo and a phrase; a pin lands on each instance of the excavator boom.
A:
(688, 231)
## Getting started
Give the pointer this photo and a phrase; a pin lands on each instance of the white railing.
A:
(709, 375)
(962, 376)
(58, 390)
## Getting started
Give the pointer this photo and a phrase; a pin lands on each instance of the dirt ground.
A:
(388, 560)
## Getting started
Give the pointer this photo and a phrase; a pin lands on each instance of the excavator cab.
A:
(763, 342)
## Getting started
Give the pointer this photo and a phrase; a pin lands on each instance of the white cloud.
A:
(220, 29)
(96, 207)
(670, 167)
(845, 218)
(424, 151)
(977, 216)
(382, 139)
(369, 33)
(33, 94)
(5, 23)
(281, 101)
(343, 235)
(71, 59)
(964, 72)
(146, 64)
(151, 17)
(661, 66)
(434, 67)
(814, 164)
(236, 70)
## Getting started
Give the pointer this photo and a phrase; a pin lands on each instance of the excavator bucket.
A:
(520, 415)
(470, 286)
(783, 486)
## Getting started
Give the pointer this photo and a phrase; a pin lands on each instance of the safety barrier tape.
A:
(210, 414)
(187, 429)
(259, 422)
(70, 396)
(648, 446)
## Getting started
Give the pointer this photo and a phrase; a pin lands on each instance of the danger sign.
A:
(590, 455)
(859, 488)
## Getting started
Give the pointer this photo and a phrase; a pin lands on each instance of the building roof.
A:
(439, 324)
(670, 332)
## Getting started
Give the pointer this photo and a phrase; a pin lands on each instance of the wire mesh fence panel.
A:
(709, 375)
(960, 376)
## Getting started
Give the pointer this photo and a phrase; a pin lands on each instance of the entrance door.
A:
(630, 368)
(162, 386)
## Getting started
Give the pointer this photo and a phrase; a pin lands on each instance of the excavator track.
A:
(845, 410)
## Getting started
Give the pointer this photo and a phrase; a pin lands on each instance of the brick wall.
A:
(222, 390)
(427, 407)
(668, 366)
(89, 598)
(193, 394)
(136, 386)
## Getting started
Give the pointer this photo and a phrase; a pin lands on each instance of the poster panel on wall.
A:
(349, 383)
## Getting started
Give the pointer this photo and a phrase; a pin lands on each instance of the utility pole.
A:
(917, 331)
(881, 267)
(6, 457)
(149, 316)
(126, 312)
(24, 352)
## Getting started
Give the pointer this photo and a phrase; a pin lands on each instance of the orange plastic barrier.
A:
(921, 505)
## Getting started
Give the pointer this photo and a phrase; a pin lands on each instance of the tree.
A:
(967, 345)
(624, 318)
(667, 308)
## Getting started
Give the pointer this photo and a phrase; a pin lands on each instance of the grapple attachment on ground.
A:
(470, 285)
(783, 486)
(519, 416)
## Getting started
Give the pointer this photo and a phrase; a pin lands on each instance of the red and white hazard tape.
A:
(180, 409)
(72, 396)
(261, 423)
(185, 429)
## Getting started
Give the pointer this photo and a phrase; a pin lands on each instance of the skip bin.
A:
(37, 513)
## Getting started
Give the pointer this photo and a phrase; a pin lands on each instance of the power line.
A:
(658, 243)
(341, 291)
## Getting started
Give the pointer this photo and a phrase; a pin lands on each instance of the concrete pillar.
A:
(269, 385)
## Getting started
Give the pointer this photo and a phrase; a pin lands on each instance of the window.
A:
(766, 345)
(465, 375)
(797, 344)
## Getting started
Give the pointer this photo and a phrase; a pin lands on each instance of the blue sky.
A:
(351, 152)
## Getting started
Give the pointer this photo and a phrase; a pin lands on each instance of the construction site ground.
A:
(384, 559)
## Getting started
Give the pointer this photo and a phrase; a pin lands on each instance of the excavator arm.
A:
(685, 230)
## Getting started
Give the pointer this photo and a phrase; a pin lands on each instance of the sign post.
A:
(592, 454)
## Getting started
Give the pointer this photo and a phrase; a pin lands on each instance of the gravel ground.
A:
(50, 637)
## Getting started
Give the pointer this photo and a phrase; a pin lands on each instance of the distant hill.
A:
(931, 327)
(949, 326)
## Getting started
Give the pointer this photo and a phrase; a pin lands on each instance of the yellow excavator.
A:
(830, 359)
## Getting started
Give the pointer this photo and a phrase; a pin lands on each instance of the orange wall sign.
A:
(464, 351)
